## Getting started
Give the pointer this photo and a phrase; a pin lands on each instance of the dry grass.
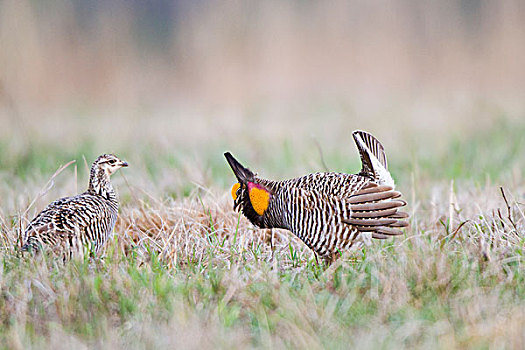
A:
(185, 270)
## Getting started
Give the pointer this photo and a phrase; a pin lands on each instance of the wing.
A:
(60, 223)
(375, 208)
(329, 223)
(48, 236)
(327, 184)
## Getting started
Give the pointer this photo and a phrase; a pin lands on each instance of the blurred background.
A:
(287, 80)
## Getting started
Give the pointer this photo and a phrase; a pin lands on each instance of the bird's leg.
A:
(271, 244)
(333, 257)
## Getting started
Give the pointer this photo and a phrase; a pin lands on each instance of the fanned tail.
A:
(373, 158)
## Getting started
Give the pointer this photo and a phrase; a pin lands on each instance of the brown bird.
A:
(74, 226)
(327, 211)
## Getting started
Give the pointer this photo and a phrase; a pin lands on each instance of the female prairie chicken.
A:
(72, 226)
(327, 211)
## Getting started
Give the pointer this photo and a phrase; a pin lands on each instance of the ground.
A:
(185, 270)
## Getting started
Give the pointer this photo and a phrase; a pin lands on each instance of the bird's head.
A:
(248, 194)
(108, 164)
(101, 170)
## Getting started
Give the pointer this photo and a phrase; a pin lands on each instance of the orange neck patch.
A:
(259, 197)
(234, 190)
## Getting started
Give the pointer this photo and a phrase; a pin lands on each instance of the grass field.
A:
(185, 270)
(170, 85)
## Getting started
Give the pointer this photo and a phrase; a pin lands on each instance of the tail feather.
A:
(373, 158)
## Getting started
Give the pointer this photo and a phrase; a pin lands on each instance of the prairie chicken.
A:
(72, 226)
(327, 211)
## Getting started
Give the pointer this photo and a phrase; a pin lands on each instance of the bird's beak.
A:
(124, 164)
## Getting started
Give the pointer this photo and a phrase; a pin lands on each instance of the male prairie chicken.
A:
(72, 226)
(327, 211)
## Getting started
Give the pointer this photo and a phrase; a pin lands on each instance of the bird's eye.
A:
(238, 192)
(112, 161)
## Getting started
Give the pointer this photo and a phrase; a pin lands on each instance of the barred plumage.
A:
(73, 226)
(327, 211)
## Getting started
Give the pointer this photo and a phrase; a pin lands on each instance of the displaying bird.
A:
(327, 211)
(74, 226)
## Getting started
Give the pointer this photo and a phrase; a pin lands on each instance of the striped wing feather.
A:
(71, 223)
(375, 209)
(328, 221)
